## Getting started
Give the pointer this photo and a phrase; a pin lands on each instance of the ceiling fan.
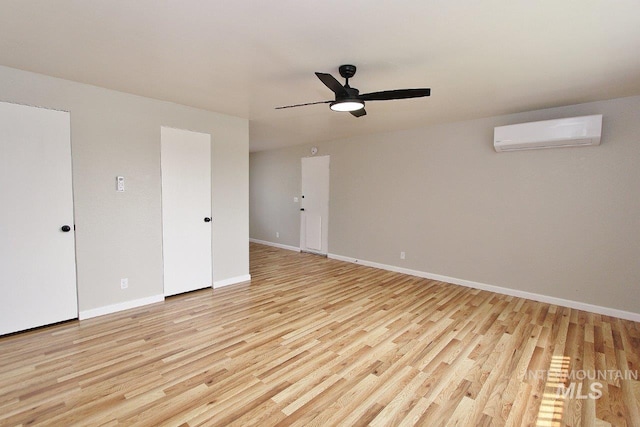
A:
(348, 98)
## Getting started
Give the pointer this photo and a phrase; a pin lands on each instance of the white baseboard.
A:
(498, 289)
(231, 281)
(126, 305)
(277, 245)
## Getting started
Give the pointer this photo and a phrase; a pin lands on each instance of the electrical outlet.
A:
(124, 283)
(402, 255)
(277, 234)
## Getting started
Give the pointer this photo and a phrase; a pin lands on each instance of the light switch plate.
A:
(120, 184)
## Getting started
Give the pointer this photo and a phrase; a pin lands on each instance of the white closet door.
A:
(314, 215)
(186, 210)
(37, 257)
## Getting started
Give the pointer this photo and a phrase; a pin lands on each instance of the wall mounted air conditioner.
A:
(570, 132)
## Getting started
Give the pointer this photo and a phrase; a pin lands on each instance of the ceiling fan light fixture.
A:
(350, 100)
(347, 105)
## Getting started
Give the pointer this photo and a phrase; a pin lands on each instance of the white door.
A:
(37, 256)
(186, 210)
(314, 215)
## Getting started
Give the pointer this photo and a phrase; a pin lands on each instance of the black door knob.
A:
(301, 209)
(65, 228)
(207, 219)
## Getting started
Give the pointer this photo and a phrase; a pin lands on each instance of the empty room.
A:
(319, 213)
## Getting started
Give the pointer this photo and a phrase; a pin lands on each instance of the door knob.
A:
(65, 228)
(301, 209)
(207, 219)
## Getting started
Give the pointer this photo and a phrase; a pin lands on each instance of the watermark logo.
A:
(563, 384)
(574, 391)
(580, 383)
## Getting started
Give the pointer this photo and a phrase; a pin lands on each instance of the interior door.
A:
(37, 237)
(314, 208)
(186, 210)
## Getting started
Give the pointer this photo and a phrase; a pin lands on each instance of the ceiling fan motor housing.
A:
(350, 102)
(352, 91)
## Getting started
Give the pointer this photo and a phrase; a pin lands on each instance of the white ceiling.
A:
(480, 58)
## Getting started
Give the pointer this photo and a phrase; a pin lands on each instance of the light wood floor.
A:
(318, 342)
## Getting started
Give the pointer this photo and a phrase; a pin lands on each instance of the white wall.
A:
(564, 223)
(120, 234)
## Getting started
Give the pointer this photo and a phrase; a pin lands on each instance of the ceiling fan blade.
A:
(359, 113)
(386, 95)
(302, 105)
(331, 82)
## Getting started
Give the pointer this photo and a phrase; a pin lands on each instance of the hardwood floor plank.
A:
(317, 342)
